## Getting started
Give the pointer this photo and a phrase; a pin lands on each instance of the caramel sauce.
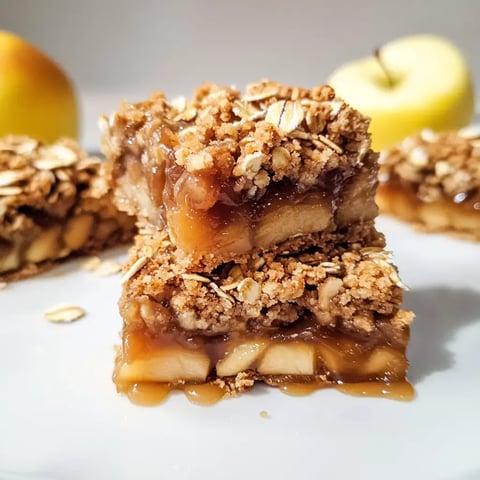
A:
(350, 348)
(368, 368)
(402, 391)
(302, 389)
(204, 394)
(462, 202)
(205, 213)
(460, 216)
(148, 393)
(397, 391)
(151, 393)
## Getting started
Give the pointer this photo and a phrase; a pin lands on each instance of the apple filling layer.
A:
(54, 202)
(203, 217)
(281, 358)
(36, 246)
(437, 216)
(433, 180)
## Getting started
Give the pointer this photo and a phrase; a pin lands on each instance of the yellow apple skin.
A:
(432, 88)
(36, 97)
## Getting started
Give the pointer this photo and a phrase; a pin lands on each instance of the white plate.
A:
(60, 417)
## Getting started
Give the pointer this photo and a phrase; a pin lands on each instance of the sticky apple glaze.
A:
(433, 181)
(257, 258)
(297, 360)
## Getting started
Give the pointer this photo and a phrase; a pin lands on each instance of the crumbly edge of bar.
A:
(245, 381)
(121, 236)
(150, 240)
(435, 166)
(447, 217)
(271, 133)
(352, 287)
(50, 184)
(48, 180)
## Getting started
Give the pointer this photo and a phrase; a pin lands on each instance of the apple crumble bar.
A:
(328, 315)
(54, 203)
(227, 174)
(257, 257)
(433, 180)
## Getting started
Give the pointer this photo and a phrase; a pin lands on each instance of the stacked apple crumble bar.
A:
(55, 202)
(433, 180)
(257, 257)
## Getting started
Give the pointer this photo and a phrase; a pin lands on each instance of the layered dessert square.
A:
(55, 202)
(227, 174)
(433, 180)
(257, 257)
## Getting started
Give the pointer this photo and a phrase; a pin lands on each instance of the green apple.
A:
(415, 82)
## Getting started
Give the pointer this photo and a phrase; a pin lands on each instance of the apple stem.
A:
(378, 57)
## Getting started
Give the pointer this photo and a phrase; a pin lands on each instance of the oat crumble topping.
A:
(436, 166)
(270, 133)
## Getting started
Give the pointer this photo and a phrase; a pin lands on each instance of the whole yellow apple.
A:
(412, 83)
(36, 97)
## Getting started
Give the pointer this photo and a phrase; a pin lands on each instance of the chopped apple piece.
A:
(168, 365)
(77, 231)
(194, 233)
(340, 357)
(45, 246)
(240, 358)
(288, 220)
(9, 258)
(331, 358)
(358, 200)
(288, 359)
(385, 360)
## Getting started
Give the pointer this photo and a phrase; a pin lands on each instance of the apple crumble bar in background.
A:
(433, 180)
(55, 202)
(257, 257)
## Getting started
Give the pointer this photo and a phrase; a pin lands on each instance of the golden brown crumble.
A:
(46, 178)
(271, 133)
(357, 234)
(436, 165)
(266, 291)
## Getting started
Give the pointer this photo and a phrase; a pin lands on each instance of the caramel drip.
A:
(397, 391)
(301, 389)
(204, 394)
(148, 393)
(147, 368)
(205, 213)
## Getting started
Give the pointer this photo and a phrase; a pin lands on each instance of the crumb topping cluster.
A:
(45, 178)
(437, 165)
(270, 133)
(267, 290)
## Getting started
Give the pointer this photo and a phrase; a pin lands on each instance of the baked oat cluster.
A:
(270, 133)
(433, 180)
(257, 258)
(55, 201)
(343, 286)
